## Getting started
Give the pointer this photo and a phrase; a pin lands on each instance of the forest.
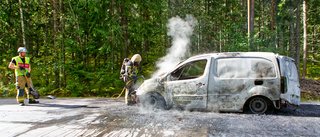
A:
(77, 46)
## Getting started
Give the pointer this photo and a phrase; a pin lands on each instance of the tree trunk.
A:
(313, 42)
(55, 31)
(259, 21)
(292, 47)
(124, 28)
(64, 82)
(243, 29)
(250, 22)
(22, 26)
(146, 38)
(271, 15)
(172, 8)
(112, 39)
(46, 44)
(297, 40)
(305, 52)
(276, 25)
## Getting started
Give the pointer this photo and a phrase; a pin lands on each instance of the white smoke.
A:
(180, 30)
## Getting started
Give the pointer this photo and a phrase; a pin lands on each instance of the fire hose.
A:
(119, 95)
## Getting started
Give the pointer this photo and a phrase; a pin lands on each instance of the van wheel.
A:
(258, 105)
(154, 100)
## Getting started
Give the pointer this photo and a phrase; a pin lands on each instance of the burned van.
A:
(225, 82)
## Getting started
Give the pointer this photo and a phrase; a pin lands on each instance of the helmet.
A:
(136, 58)
(126, 59)
(22, 49)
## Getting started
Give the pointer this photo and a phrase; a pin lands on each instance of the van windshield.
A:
(245, 68)
(189, 70)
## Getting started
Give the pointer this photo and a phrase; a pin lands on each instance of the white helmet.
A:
(22, 49)
(136, 58)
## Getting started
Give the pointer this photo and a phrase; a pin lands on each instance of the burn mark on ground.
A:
(114, 118)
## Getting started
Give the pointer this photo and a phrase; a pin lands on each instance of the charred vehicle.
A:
(257, 81)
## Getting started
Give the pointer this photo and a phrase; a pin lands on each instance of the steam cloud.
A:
(180, 30)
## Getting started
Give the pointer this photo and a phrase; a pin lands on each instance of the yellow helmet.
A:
(136, 58)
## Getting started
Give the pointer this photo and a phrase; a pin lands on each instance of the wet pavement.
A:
(107, 117)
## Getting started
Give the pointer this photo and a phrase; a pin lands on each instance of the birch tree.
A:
(22, 26)
(305, 50)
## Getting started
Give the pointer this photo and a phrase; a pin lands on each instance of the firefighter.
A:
(22, 68)
(131, 70)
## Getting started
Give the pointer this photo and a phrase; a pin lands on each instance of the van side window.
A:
(245, 68)
(190, 70)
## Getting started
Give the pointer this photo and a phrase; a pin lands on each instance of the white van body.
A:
(226, 82)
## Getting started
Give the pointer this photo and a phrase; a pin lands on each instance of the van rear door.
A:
(290, 79)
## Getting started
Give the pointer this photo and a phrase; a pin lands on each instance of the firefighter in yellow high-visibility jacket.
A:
(22, 68)
(131, 70)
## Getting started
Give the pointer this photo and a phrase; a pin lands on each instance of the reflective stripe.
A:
(21, 100)
(30, 97)
(133, 71)
(20, 63)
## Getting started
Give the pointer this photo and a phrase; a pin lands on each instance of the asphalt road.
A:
(107, 117)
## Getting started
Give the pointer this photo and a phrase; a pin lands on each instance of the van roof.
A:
(234, 54)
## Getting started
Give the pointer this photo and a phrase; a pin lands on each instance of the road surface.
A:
(107, 117)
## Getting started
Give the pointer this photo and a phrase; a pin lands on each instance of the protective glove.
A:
(28, 75)
(122, 72)
(22, 68)
(134, 77)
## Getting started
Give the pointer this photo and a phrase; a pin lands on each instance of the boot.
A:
(33, 101)
(21, 104)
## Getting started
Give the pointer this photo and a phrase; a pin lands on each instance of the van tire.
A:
(153, 100)
(258, 105)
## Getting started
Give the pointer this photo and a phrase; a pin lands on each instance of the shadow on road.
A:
(44, 103)
(59, 105)
(304, 110)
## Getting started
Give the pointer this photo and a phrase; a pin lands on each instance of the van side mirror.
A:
(161, 81)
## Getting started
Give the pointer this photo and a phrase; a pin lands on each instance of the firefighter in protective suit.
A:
(22, 68)
(131, 70)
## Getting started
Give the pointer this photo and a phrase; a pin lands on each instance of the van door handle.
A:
(258, 82)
